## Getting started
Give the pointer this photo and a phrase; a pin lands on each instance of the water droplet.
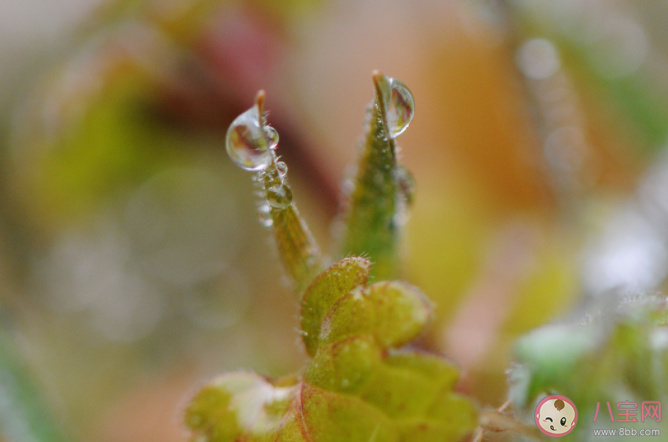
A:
(279, 197)
(282, 168)
(272, 177)
(264, 214)
(399, 104)
(248, 144)
(272, 137)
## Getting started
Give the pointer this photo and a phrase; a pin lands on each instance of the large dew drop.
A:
(248, 143)
(399, 104)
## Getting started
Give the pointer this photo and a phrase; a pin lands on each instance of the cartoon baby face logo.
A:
(556, 416)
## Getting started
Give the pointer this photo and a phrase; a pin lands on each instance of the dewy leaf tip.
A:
(251, 143)
(377, 205)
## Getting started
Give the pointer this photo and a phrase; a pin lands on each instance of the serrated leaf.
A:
(335, 282)
(394, 313)
(371, 227)
(358, 387)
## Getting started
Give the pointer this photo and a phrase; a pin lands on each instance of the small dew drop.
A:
(271, 177)
(264, 215)
(248, 144)
(400, 105)
(282, 168)
(279, 197)
(272, 137)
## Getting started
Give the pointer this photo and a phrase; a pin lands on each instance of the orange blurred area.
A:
(133, 264)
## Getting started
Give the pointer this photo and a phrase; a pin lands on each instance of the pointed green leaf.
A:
(371, 222)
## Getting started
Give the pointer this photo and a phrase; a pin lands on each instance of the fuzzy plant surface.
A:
(363, 381)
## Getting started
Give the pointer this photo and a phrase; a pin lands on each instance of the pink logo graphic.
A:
(556, 416)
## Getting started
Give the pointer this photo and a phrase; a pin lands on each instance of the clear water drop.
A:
(279, 197)
(399, 104)
(247, 143)
(272, 137)
(282, 168)
(401, 109)
(264, 215)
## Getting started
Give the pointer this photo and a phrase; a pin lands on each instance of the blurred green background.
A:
(132, 264)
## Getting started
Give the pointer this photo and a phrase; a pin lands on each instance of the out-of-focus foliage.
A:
(614, 356)
(24, 415)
